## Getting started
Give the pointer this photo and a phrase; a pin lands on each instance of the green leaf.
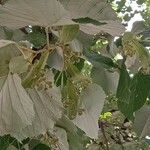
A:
(11, 147)
(36, 13)
(41, 147)
(35, 72)
(16, 107)
(62, 139)
(92, 99)
(113, 28)
(100, 60)
(68, 33)
(88, 20)
(132, 46)
(8, 34)
(38, 39)
(8, 50)
(76, 139)
(106, 79)
(132, 93)
(142, 121)
(60, 78)
(138, 27)
(97, 10)
(48, 109)
(72, 100)
(18, 65)
(76, 46)
(5, 141)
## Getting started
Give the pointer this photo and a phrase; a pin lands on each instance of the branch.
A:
(104, 135)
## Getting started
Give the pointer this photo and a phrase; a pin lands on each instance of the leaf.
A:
(76, 139)
(35, 72)
(11, 147)
(41, 146)
(113, 28)
(92, 99)
(100, 60)
(132, 93)
(88, 20)
(95, 9)
(131, 46)
(62, 139)
(8, 34)
(71, 99)
(17, 14)
(37, 38)
(18, 65)
(107, 80)
(16, 107)
(68, 33)
(56, 59)
(94, 147)
(138, 27)
(142, 121)
(5, 141)
(133, 64)
(76, 46)
(8, 50)
(48, 109)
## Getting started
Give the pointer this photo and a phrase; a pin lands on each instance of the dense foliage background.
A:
(74, 75)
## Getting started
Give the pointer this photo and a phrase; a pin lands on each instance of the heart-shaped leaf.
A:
(92, 98)
(16, 107)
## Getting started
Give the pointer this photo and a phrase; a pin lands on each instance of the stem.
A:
(47, 37)
(104, 135)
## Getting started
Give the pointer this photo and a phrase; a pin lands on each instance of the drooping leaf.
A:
(76, 139)
(48, 109)
(92, 99)
(113, 28)
(16, 107)
(95, 9)
(132, 93)
(18, 65)
(142, 121)
(56, 59)
(123, 85)
(76, 46)
(62, 139)
(99, 16)
(17, 14)
(107, 80)
(11, 147)
(68, 33)
(8, 50)
(138, 27)
(100, 60)
(8, 34)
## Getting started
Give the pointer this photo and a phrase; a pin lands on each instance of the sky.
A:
(135, 7)
(137, 17)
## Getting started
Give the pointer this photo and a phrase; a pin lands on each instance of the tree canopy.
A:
(74, 75)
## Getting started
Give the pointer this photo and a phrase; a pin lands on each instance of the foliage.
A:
(66, 83)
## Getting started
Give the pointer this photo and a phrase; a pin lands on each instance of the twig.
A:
(47, 37)
(104, 135)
